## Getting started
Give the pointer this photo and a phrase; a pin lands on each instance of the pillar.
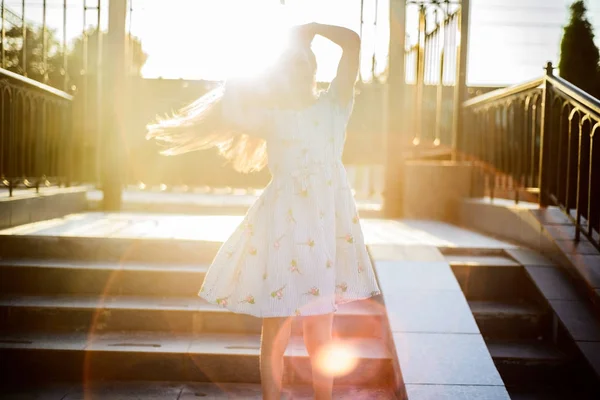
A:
(395, 88)
(460, 92)
(114, 106)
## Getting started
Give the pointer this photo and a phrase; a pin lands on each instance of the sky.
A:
(510, 40)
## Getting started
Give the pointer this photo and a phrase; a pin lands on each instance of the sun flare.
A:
(245, 38)
(337, 359)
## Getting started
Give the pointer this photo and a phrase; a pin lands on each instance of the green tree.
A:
(579, 56)
(76, 66)
(34, 52)
(53, 67)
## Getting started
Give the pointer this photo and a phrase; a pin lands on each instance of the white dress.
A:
(300, 248)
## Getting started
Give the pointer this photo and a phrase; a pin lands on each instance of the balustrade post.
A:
(545, 137)
(460, 89)
(113, 126)
(395, 91)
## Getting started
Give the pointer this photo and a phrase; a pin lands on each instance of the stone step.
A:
(151, 356)
(108, 249)
(530, 363)
(183, 391)
(365, 318)
(47, 277)
(511, 320)
(485, 277)
(552, 393)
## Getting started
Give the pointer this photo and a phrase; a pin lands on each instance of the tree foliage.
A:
(579, 56)
(54, 66)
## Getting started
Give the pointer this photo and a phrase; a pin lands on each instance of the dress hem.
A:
(235, 310)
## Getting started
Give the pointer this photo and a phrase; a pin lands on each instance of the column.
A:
(114, 106)
(395, 88)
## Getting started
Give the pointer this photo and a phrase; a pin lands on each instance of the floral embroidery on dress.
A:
(278, 294)
(348, 238)
(291, 218)
(328, 264)
(314, 291)
(248, 229)
(252, 251)
(249, 299)
(222, 301)
(355, 219)
(342, 286)
(294, 267)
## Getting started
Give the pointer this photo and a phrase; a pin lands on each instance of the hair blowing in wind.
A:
(231, 117)
(210, 122)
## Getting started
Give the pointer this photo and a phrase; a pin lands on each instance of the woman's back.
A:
(311, 138)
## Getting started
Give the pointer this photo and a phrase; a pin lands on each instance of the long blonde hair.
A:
(230, 117)
(214, 120)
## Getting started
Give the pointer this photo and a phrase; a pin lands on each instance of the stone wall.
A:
(29, 206)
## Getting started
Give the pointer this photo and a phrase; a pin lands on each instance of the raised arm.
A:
(347, 71)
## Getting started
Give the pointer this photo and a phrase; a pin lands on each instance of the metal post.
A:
(395, 116)
(460, 89)
(360, 33)
(3, 37)
(44, 41)
(545, 136)
(83, 89)
(24, 35)
(440, 89)
(115, 96)
(64, 49)
(420, 84)
(98, 89)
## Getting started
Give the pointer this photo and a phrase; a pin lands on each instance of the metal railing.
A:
(36, 141)
(431, 66)
(539, 137)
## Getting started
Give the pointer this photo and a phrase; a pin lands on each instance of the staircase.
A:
(103, 313)
(533, 352)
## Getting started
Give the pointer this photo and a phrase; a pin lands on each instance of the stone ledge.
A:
(30, 206)
(545, 231)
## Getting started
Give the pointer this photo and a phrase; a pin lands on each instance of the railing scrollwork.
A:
(35, 134)
(540, 137)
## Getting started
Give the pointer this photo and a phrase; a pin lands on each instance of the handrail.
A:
(585, 100)
(530, 140)
(499, 94)
(35, 84)
(37, 145)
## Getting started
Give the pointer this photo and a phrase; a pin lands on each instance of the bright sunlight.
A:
(245, 37)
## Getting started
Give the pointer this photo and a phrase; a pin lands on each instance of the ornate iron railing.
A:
(431, 66)
(539, 137)
(36, 141)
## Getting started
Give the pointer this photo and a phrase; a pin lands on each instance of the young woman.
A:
(299, 251)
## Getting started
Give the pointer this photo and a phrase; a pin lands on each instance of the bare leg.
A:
(317, 334)
(274, 340)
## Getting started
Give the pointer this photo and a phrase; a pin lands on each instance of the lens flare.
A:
(337, 359)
